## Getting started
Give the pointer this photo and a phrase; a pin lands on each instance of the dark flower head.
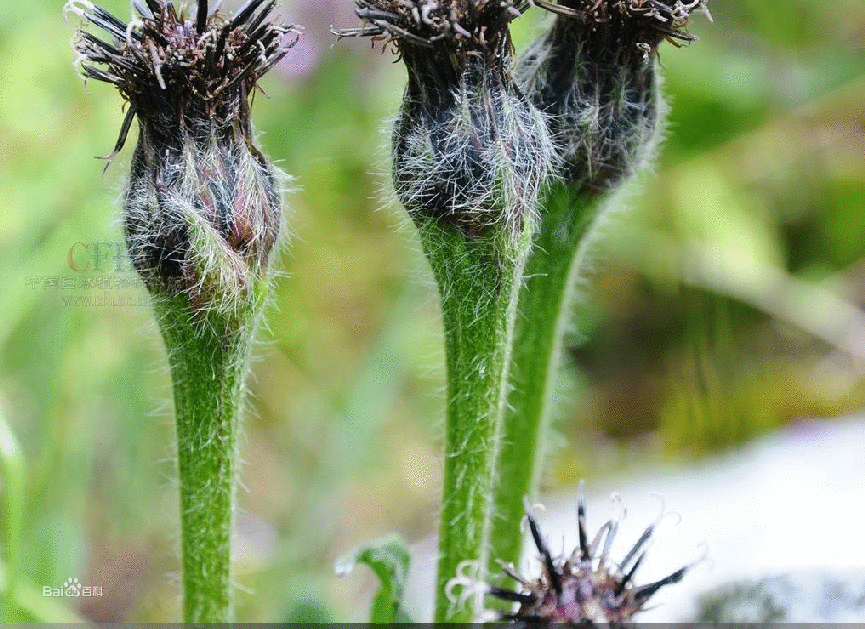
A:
(440, 39)
(174, 68)
(469, 25)
(203, 207)
(469, 149)
(587, 587)
(643, 23)
(594, 74)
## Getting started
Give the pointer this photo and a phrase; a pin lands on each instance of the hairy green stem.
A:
(479, 283)
(209, 357)
(544, 305)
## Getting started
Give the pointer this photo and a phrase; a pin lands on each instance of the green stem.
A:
(544, 306)
(12, 468)
(209, 357)
(479, 282)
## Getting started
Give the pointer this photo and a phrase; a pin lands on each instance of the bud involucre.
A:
(203, 205)
(594, 73)
(469, 149)
(475, 154)
(202, 216)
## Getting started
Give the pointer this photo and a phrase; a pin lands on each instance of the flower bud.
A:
(587, 587)
(468, 148)
(594, 73)
(203, 205)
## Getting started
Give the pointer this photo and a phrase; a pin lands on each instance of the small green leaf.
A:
(389, 559)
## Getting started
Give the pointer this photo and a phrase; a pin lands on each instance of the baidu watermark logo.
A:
(72, 588)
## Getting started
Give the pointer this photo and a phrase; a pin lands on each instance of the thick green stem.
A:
(209, 357)
(479, 282)
(544, 305)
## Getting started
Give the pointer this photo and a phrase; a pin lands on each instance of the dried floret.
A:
(587, 587)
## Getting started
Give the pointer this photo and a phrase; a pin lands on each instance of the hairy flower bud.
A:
(594, 73)
(469, 148)
(203, 205)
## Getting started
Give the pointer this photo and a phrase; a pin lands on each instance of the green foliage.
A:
(389, 559)
(307, 612)
(345, 399)
(12, 493)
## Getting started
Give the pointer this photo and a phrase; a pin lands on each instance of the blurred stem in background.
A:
(21, 601)
(12, 488)
(594, 74)
(550, 279)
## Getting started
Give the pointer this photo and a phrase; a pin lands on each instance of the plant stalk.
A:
(479, 282)
(12, 487)
(545, 303)
(209, 356)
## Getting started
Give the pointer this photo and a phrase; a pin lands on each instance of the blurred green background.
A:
(724, 304)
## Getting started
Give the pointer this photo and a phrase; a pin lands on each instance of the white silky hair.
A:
(206, 177)
(492, 165)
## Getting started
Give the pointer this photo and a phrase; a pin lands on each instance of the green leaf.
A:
(389, 559)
